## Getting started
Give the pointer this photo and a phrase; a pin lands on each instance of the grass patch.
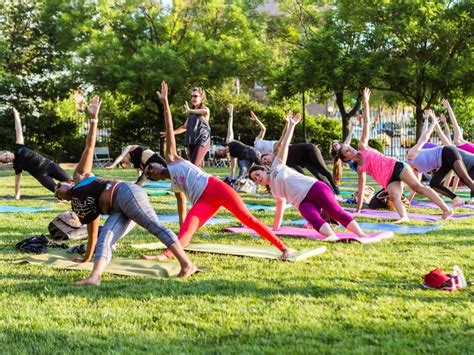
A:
(352, 299)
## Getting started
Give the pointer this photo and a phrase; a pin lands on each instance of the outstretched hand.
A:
(429, 113)
(295, 119)
(16, 115)
(163, 95)
(366, 94)
(446, 104)
(253, 116)
(94, 107)
(230, 109)
(186, 107)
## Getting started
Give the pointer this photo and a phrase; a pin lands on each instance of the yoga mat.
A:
(264, 207)
(14, 209)
(174, 218)
(255, 251)
(118, 266)
(394, 215)
(396, 228)
(159, 193)
(429, 204)
(164, 185)
(313, 234)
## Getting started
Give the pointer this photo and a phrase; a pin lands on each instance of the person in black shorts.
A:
(239, 152)
(23, 158)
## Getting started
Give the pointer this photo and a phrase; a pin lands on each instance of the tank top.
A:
(188, 178)
(198, 130)
(85, 198)
(242, 151)
(377, 165)
(427, 159)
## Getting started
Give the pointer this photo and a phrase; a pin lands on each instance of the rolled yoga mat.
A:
(255, 251)
(15, 209)
(118, 266)
(394, 215)
(313, 234)
(396, 228)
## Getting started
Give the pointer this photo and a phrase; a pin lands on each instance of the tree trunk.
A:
(418, 119)
(346, 116)
(160, 124)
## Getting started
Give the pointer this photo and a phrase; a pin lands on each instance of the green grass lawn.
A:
(352, 299)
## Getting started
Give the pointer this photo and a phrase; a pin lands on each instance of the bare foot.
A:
(458, 202)
(161, 257)
(288, 254)
(363, 235)
(187, 271)
(447, 214)
(331, 238)
(90, 281)
(402, 220)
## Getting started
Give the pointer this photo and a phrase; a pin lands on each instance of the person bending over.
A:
(458, 139)
(262, 145)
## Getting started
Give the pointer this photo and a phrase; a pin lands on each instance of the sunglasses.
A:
(195, 96)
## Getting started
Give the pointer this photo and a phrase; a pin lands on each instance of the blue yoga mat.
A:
(14, 209)
(173, 218)
(264, 207)
(162, 185)
(401, 229)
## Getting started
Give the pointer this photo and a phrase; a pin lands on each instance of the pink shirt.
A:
(468, 147)
(378, 166)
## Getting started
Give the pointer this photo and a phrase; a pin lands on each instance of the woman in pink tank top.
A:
(387, 171)
(458, 138)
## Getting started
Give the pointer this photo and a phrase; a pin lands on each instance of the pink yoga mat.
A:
(394, 215)
(428, 204)
(313, 234)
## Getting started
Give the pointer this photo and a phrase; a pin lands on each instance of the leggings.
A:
(197, 153)
(130, 204)
(320, 197)
(451, 160)
(244, 166)
(47, 173)
(218, 194)
(316, 165)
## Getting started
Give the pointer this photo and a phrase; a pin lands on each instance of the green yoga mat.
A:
(118, 266)
(238, 250)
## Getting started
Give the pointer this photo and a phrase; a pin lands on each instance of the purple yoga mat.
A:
(426, 204)
(313, 234)
(394, 215)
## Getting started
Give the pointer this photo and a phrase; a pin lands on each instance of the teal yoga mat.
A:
(174, 218)
(17, 209)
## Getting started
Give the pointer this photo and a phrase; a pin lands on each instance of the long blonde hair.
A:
(201, 92)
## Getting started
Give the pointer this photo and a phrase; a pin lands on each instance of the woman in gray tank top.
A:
(197, 128)
(442, 160)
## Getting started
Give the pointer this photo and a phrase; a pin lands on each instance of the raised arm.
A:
(445, 140)
(458, 138)
(122, 155)
(447, 132)
(92, 233)
(230, 122)
(364, 139)
(425, 137)
(170, 153)
(259, 123)
(277, 146)
(285, 142)
(18, 129)
(87, 158)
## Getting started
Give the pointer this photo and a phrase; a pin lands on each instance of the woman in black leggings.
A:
(23, 158)
(442, 160)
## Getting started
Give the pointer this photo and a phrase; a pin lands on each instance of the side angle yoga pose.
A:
(125, 202)
(307, 194)
(240, 154)
(23, 158)
(388, 172)
(262, 145)
(442, 159)
(196, 126)
(207, 193)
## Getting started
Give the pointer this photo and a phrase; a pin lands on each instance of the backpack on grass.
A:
(67, 226)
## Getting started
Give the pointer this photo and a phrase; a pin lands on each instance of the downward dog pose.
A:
(240, 153)
(126, 203)
(388, 172)
(207, 193)
(23, 158)
(140, 157)
(262, 145)
(197, 128)
(443, 160)
(307, 194)
(458, 139)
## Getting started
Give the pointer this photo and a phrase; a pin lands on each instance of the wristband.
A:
(93, 120)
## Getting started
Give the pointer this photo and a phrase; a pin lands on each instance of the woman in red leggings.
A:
(206, 193)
